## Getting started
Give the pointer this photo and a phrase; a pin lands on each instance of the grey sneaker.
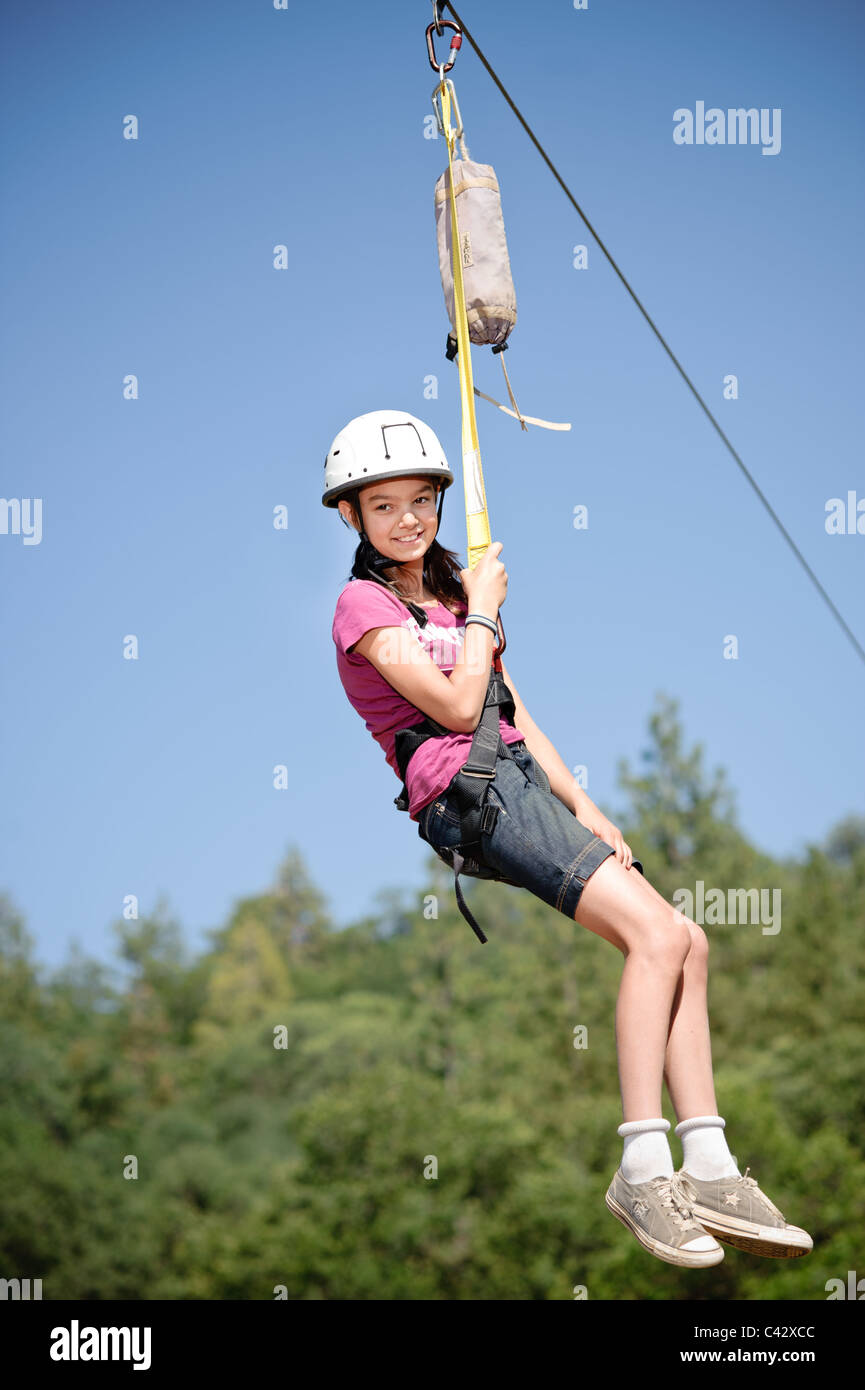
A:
(658, 1213)
(737, 1212)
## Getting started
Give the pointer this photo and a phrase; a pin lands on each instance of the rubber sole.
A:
(672, 1255)
(773, 1241)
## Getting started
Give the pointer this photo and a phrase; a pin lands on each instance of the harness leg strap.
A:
(463, 906)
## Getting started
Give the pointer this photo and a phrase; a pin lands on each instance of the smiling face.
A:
(399, 516)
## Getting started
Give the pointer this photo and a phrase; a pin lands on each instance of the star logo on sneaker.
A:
(731, 1199)
(640, 1207)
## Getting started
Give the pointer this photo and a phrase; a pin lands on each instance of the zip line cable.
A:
(445, 4)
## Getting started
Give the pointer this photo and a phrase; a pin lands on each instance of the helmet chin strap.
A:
(374, 558)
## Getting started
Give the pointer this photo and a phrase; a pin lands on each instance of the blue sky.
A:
(154, 257)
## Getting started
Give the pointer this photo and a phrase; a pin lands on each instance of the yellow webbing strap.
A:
(477, 520)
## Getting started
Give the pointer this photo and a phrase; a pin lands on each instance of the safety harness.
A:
(470, 786)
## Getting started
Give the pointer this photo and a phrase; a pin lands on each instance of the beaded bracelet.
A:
(482, 618)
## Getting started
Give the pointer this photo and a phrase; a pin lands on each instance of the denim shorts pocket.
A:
(440, 823)
(447, 810)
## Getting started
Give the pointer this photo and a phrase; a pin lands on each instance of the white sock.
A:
(647, 1150)
(704, 1148)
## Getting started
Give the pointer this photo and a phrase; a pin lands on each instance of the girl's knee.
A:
(666, 938)
(699, 952)
(687, 938)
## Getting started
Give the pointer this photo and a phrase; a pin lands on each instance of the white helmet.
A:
(382, 444)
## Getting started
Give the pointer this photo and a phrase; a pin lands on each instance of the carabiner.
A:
(437, 19)
(455, 43)
(436, 96)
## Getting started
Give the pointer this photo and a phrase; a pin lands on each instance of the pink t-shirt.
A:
(364, 604)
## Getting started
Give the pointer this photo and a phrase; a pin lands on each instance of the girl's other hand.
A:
(600, 826)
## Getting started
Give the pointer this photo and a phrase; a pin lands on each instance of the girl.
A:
(415, 636)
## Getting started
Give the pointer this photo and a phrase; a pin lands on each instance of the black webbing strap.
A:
(408, 741)
(470, 784)
(481, 761)
(463, 906)
(485, 743)
(477, 815)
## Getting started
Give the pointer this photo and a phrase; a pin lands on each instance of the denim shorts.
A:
(536, 842)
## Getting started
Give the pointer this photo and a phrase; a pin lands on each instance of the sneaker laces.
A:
(751, 1183)
(676, 1195)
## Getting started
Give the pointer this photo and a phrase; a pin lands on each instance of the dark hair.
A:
(441, 567)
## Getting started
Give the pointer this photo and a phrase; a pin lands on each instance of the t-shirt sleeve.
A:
(362, 606)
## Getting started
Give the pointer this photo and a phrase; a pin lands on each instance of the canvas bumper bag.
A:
(491, 301)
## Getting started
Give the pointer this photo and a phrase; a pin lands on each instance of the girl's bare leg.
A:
(688, 1057)
(662, 1026)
